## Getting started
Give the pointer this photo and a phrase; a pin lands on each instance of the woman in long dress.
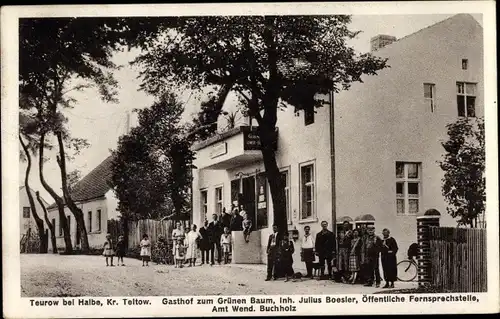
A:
(354, 255)
(389, 262)
(192, 245)
(177, 234)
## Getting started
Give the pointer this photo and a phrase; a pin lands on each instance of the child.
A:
(108, 250)
(286, 251)
(120, 249)
(145, 250)
(179, 253)
(247, 228)
(225, 241)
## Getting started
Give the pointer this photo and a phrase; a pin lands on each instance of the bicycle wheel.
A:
(407, 270)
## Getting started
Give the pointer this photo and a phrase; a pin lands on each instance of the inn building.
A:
(368, 156)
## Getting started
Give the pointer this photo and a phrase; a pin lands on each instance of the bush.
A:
(160, 252)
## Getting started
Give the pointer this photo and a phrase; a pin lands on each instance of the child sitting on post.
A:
(225, 241)
(247, 228)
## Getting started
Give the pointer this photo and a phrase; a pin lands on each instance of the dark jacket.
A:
(215, 230)
(236, 223)
(226, 219)
(205, 238)
(370, 250)
(389, 246)
(268, 249)
(325, 243)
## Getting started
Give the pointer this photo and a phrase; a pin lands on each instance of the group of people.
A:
(353, 256)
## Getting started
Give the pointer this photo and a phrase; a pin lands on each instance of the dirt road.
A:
(58, 276)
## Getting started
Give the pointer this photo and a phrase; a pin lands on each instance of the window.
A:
(307, 196)
(430, 95)
(407, 188)
(286, 181)
(466, 99)
(90, 221)
(465, 64)
(99, 220)
(26, 212)
(68, 218)
(308, 116)
(60, 228)
(204, 203)
(218, 200)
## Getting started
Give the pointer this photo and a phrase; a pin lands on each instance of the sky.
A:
(102, 123)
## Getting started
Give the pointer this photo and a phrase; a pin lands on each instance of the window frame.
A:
(464, 95)
(89, 216)
(288, 194)
(431, 99)
(26, 209)
(99, 219)
(204, 203)
(405, 180)
(309, 116)
(313, 216)
(465, 64)
(217, 201)
(60, 228)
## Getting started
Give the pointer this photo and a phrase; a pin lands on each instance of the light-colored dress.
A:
(176, 233)
(225, 241)
(108, 249)
(179, 251)
(192, 244)
(146, 248)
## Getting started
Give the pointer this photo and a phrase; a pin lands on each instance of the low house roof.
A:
(95, 184)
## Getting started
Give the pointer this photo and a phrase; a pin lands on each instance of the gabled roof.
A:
(95, 184)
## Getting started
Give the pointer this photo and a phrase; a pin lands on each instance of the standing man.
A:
(225, 218)
(325, 249)
(307, 250)
(204, 244)
(363, 271)
(272, 254)
(236, 221)
(370, 255)
(215, 231)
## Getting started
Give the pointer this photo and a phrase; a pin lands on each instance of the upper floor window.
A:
(307, 191)
(308, 116)
(408, 182)
(26, 212)
(430, 95)
(465, 64)
(466, 99)
(218, 200)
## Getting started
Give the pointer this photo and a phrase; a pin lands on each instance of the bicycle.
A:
(407, 270)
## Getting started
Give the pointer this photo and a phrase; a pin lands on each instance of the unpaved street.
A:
(58, 276)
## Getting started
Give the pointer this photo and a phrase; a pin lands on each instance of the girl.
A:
(145, 250)
(179, 253)
(177, 233)
(343, 255)
(225, 241)
(389, 262)
(247, 228)
(120, 249)
(286, 251)
(108, 250)
(354, 255)
(192, 245)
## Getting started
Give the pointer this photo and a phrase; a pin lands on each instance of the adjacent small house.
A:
(95, 197)
(27, 221)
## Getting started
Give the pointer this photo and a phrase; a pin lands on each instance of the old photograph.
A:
(251, 155)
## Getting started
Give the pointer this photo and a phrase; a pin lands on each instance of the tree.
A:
(51, 226)
(28, 148)
(151, 165)
(464, 181)
(270, 61)
(73, 177)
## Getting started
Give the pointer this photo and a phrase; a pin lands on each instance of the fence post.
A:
(430, 218)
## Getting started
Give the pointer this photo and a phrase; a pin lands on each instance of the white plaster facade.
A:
(26, 219)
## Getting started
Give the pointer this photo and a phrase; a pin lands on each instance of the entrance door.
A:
(248, 198)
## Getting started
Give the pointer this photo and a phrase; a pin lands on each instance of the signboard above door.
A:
(218, 150)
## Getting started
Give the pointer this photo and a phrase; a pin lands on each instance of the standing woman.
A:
(145, 250)
(389, 262)
(192, 239)
(177, 234)
(307, 250)
(355, 255)
(343, 255)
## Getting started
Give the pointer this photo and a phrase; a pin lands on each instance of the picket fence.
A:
(458, 259)
(153, 228)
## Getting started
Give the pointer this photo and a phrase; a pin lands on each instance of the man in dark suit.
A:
(236, 221)
(225, 218)
(272, 253)
(215, 231)
(325, 249)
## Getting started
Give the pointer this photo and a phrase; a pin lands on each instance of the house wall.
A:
(297, 144)
(95, 235)
(29, 223)
(386, 119)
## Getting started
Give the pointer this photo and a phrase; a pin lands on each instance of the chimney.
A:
(380, 41)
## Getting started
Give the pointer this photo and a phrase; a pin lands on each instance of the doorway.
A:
(248, 198)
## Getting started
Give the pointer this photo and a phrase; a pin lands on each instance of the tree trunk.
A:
(52, 227)
(75, 210)
(59, 201)
(38, 220)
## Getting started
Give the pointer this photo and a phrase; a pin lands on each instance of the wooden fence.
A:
(153, 228)
(458, 259)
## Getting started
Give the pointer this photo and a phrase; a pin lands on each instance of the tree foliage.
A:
(464, 181)
(270, 61)
(152, 164)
